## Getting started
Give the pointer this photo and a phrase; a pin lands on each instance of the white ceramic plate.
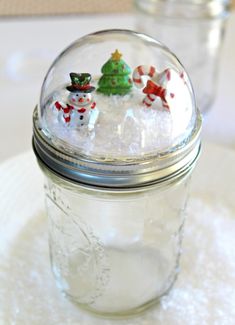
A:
(204, 292)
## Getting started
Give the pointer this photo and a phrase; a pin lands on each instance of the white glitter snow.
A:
(125, 128)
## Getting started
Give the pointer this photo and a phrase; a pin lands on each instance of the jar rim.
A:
(118, 173)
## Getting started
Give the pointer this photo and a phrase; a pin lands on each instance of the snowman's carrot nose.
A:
(81, 100)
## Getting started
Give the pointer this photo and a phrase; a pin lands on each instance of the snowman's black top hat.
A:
(80, 83)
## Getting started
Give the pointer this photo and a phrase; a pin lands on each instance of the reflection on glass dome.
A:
(117, 94)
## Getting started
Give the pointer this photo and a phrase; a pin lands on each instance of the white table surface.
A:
(28, 47)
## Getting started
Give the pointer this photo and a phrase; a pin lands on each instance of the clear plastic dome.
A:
(117, 94)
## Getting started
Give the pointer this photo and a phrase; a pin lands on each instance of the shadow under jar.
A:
(116, 208)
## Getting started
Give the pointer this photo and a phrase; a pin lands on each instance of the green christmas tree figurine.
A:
(116, 76)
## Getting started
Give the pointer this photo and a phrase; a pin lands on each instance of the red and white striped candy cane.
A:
(66, 111)
(140, 71)
(155, 86)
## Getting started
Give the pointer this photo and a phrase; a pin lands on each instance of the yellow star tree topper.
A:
(116, 56)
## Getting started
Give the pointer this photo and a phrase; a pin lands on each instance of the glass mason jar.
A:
(194, 30)
(115, 252)
(116, 193)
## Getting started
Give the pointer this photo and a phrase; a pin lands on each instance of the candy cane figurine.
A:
(155, 87)
(67, 109)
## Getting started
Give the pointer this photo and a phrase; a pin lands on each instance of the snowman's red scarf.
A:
(66, 109)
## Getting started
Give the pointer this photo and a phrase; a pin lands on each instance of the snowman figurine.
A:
(79, 110)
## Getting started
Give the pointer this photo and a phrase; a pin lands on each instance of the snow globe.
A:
(117, 134)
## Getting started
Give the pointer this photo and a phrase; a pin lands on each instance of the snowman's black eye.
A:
(84, 95)
(77, 95)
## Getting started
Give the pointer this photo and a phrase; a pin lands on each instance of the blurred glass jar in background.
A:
(194, 30)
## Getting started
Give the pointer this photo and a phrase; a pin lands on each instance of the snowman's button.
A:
(81, 110)
(81, 117)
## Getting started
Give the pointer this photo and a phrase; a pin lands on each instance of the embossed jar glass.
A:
(116, 193)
